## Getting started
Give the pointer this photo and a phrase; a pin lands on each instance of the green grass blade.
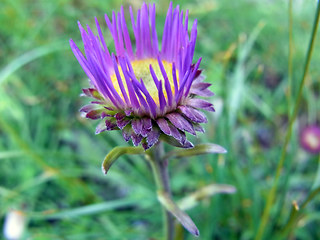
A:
(88, 210)
(28, 57)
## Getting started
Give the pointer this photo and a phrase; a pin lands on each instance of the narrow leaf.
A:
(181, 216)
(193, 199)
(196, 150)
(86, 210)
(117, 152)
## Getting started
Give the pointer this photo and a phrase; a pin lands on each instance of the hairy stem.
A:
(161, 177)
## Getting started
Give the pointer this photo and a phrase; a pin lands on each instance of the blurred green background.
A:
(50, 157)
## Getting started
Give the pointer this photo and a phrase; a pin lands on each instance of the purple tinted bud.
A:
(310, 139)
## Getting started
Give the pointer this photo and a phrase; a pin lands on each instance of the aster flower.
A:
(146, 92)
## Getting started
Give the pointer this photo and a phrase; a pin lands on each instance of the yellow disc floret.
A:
(142, 71)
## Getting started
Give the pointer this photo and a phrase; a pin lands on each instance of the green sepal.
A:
(96, 94)
(117, 152)
(196, 150)
(181, 216)
(109, 112)
(172, 141)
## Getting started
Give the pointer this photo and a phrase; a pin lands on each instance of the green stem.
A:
(161, 177)
(272, 193)
(290, 48)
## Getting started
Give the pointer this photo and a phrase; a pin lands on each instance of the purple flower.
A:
(146, 92)
(310, 139)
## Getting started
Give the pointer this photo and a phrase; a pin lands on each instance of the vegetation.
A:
(50, 158)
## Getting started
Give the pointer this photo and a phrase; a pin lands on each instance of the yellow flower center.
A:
(142, 71)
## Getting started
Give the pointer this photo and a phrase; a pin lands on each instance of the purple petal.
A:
(97, 50)
(153, 137)
(120, 116)
(182, 85)
(101, 127)
(178, 135)
(133, 98)
(139, 39)
(109, 108)
(180, 122)
(151, 102)
(152, 13)
(166, 81)
(81, 59)
(193, 114)
(164, 126)
(119, 80)
(128, 112)
(94, 114)
(198, 128)
(146, 126)
(187, 144)
(201, 93)
(127, 132)
(144, 144)
(91, 92)
(162, 100)
(174, 41)
(174, 76)
(140, 97)
(192, 77)
(103, 83)
(122, 120)
(136, 125)
(120, 38)
(107, 56)
(174, 142)
(88, 108)
(200, 103)
(134, 26)
(111, 124)
(105, 114)
(183, 137)
(166, 30)
(136, 139)
(126, 34)
(146, 30)
(201, 85)
(97, 102)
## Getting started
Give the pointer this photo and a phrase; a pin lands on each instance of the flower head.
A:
(145, 92)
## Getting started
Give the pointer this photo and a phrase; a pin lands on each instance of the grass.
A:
(50, 159)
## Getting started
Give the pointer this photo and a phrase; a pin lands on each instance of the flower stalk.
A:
(161, 176)
(159, 164)
(148, 93)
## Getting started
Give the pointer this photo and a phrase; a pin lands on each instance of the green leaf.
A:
(193, 199)
(181, 216)
(117, 152)
(196, 150)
